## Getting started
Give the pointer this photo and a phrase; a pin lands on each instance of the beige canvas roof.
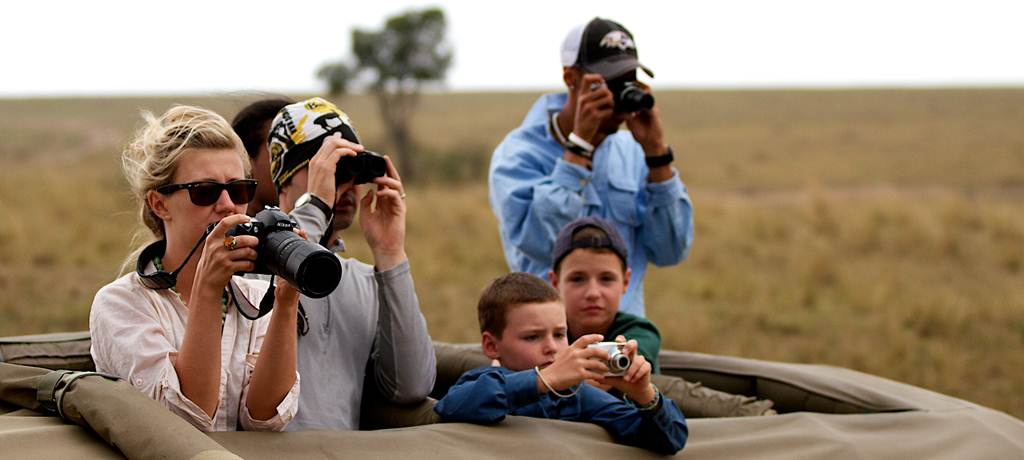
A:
(828, 413)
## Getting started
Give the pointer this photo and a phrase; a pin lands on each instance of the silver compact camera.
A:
(618, 361)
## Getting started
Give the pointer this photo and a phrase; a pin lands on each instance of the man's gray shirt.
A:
(371, 317)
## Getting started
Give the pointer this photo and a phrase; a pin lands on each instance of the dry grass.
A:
(877, 230)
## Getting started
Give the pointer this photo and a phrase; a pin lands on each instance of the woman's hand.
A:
(384, 224)
(223, 256)
(199, 365)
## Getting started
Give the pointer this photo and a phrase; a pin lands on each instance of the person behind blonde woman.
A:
(170, 327)
(252, 124)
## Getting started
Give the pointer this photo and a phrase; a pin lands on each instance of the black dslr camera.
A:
(630, 97)
(313, 270)
(364, 167)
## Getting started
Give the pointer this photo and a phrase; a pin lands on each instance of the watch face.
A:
(303, 199)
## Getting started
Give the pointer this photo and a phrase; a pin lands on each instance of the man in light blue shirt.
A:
(568, 159)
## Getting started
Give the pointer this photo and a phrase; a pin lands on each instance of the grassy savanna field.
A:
(881, 230)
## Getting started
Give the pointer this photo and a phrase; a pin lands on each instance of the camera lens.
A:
(618, 363)
(313, 270)
(320, 273)
(633, 99)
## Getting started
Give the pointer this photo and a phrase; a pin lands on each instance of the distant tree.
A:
(338, 75)
(408, 53)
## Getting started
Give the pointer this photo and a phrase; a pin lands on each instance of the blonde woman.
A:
(170, 327)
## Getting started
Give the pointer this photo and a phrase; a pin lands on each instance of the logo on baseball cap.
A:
(602, 46)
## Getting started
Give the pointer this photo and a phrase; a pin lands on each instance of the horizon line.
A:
(73, 94)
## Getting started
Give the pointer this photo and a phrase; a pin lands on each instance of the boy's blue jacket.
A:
(488, 394)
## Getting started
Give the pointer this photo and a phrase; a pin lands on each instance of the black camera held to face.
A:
(364, 167)
(629, 96)
(313, 270)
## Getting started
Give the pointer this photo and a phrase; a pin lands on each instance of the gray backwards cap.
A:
(564, 243)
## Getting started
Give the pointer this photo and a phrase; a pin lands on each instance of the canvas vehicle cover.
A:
(825, 412)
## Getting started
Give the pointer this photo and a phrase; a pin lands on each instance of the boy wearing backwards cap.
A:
(523, 327)
(591, 275)
(370, 325)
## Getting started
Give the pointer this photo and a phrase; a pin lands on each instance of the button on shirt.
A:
(534, 193)
(137, 332)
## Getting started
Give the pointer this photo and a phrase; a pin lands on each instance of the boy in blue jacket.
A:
(523, 327)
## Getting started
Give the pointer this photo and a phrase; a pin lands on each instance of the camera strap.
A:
(161, 279)
(325, 239)
(266, 304)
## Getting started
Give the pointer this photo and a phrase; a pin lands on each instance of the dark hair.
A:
(509, 291)
(250, 122)
(589, 233)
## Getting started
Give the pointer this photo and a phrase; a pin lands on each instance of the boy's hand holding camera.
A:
(579, 363)
(574, 365)
(635, 383)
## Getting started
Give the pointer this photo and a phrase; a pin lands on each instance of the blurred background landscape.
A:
(876, 228)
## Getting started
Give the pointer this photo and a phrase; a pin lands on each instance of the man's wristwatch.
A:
(309, 198)
(660, 160)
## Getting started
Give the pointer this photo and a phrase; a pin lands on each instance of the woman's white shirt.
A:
(137, 333)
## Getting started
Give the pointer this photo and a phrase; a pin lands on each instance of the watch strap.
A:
(314, 200)
(660, 160)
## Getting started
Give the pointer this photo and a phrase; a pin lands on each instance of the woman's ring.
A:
(231, 242)
(402, 196)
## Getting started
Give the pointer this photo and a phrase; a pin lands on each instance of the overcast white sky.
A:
(133, 47)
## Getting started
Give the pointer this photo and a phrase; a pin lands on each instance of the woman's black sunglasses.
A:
(205, 193)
